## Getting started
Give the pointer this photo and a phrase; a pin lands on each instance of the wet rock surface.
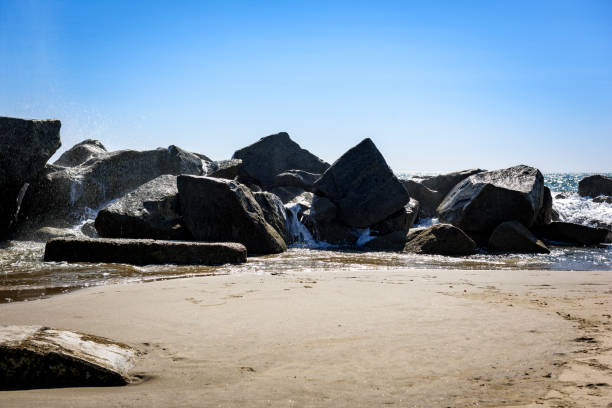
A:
(41, 357)
(594, 186)
(441, 239)
(225, 210)
(514, 237)
(143, 251)
(274, 212)
(429, 199)
(576, 234)
(151, 211)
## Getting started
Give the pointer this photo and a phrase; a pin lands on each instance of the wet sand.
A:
(369, 337)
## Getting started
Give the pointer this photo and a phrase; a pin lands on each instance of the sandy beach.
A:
(376, 337)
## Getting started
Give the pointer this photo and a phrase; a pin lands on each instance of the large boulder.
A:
(62, 194)
(481, 202)
(143, 251)
(225, 210)
(362, 186)
(25, 148)
(390, 234)
(80, 153)
(593, 186)
(444, 183)
(41, 357)
(274, 212)
(287, 194)
(296, 178)
(322, 210)
(274, 154)
(546, 214)
(151, 211)
(440, 239)
(428, 199)
(512, 236)
(575, 234)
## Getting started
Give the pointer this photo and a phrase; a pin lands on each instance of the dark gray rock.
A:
(545, 216)
(561, 196)
(362, 186)
(594, 186)
(25, 147)
(151, 211)
(440, 239)
(512, 236)
(227, 169)
(274, 212)
(481, 202)
(287, 194)
(332, 232)
(225, 210)
(323, 210)
(393, 241)
(274, 154)
(144, 251)
(603, 199)
(61, 193)
(80, 153)
(444, 183)
(428, 199)
(296, 178)
(400, 221)
(575, 234)
(41, 357)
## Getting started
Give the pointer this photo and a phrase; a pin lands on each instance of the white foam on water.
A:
(301, 235)
(582, 210)
(426, 222)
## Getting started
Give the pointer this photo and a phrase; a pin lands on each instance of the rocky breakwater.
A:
(25, 148)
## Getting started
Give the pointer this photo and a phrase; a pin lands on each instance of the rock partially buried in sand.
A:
(40, 357)
(225, 210)
(362, 186)
(144, 251)
(481, 202)
(149, 212)
(274, 154)
(441, 239)
(594, 186)
(512, 236)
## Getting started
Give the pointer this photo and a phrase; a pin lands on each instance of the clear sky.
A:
(436, 85)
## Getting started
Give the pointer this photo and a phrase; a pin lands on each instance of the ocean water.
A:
(23, 274)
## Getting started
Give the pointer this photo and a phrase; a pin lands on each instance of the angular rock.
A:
(332, 232)
(481, 202)
(512, 236)
(232, 169)
(444, 183)
(428, 199)
(41, 357)
(362, 186)
(274, 154)
(440, 239)
(143, 251)
(25, 147)
(64, 192)
(274, 212)
(224, 210)
(151, 211)
(80, 153)
(594, 186)
(545, 216)
(296, 178)
(322, 210)
(573, 233)
(400, 221)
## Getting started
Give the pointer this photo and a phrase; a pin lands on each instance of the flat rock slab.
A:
(40, 357)
(144, 251)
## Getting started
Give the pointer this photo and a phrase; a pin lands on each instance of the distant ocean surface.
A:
(23, 274)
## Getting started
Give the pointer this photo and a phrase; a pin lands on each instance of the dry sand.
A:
(387, 337)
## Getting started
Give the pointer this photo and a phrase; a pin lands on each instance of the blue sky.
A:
(436, 85)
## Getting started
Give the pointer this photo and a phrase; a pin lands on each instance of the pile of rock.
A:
(259, 196)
